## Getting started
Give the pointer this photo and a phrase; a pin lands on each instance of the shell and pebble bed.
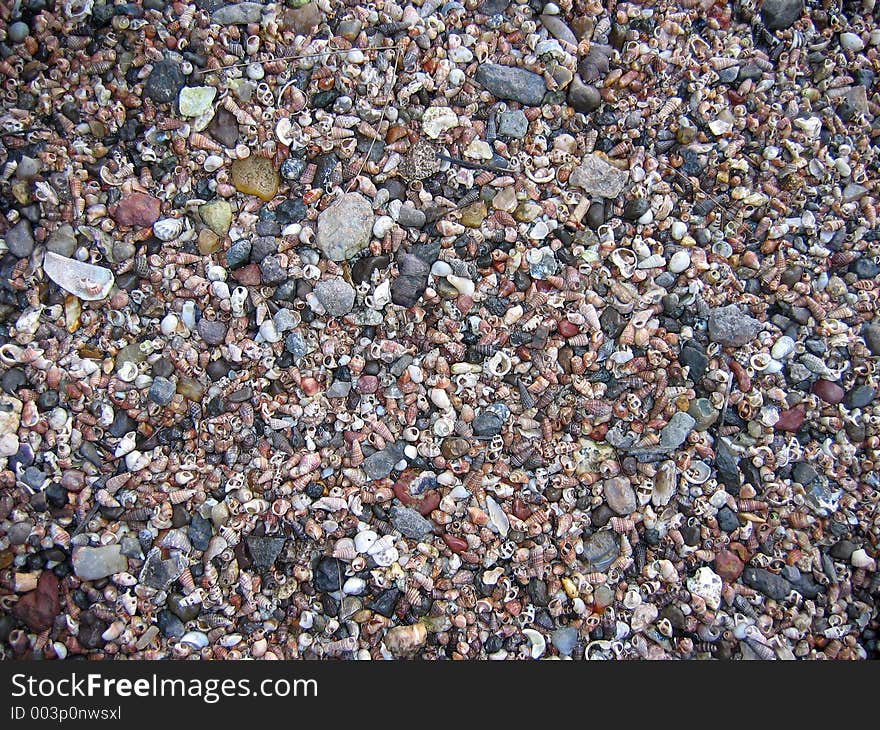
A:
(448, 330)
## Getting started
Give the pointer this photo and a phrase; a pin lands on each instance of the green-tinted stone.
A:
(209, 242)
(217, 215)
(130, 353)
(527, 211)
(445, 289)
(195, 100)
(473, 215)
(255, 176)
(190, 388)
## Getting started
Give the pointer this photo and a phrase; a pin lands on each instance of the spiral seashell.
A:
(167, 229)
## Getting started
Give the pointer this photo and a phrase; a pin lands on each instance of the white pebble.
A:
(169, 324)
(216, 273)
(354, 586)
(441, 268)
(383, 225)
(679, 262)
(782, 348)
(440, 398)
(464, 286)
(678, 230)
(220, 289)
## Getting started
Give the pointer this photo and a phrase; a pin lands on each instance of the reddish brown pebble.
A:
(829, 392)
(428, 503)
(728, 565)
(137, 209)
(456, 544)
(367, 384)
(248, 275)
(39, 608)
(520, 510)
(790, 420)
(568, 329)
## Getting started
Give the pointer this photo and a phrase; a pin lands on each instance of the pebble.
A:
(329, 575)
(680, 261)
(193, 101)
(676, 431)
(620, 495)
(731, 327)
(18, 31)
(597, 177)
(162, 391)
(38, 608)
(601, 550)
(255, 176)
(336, 296)
(217, 215)
(237, 14)
(137, 209)
(159, 572)
(770, 584)
(93, 563)
(20, 239)
(511, 82)
(62, 241)
(213, 332)
(164, 82)
(345, 227)
(860, 397)
(410, 523)
(584, 98)
(264, 551)
(513, 123)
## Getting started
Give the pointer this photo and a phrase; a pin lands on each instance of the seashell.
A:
(197, 639)
(537, 643)
(497, 517)
(697, 473)
(85, 281)
(167, 229)
(344, 549)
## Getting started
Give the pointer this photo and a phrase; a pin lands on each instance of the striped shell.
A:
(167, 229)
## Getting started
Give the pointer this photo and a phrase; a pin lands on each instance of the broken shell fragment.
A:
(86, 281)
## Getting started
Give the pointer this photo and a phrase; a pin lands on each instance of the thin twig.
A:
(296, 57)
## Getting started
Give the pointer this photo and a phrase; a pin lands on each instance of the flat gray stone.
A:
(410, 522)
(344, 228)
(93, 563)
(510, 82)
(513, 123)
(597, 177)
(677, 430)
(336, 296)
(731, 326)
(237, 14)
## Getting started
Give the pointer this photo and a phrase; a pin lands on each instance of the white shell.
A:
(213, 163)
(537, 641)
(85, 281)
(497, 517)
(195, 638)
(707, 585)
(782, 348)
(697, 473)
(363, 541)
(283, 131)
(437, 119)
(499, 364)
(167, 229)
